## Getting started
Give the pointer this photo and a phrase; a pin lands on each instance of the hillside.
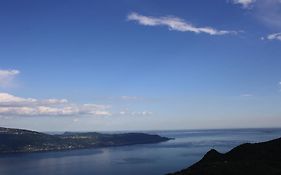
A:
(18, 140)
(246, 159)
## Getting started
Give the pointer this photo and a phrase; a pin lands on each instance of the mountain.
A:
(19, 140)
(246, 159)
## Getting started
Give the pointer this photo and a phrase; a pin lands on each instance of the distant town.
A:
(17, 140)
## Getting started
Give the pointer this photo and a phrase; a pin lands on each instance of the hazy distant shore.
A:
(24, 141)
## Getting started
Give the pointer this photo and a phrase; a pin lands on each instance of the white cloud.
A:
(244, 3)
(274, 36)
(176, 24)
(8, 98)
(7, 77)
(127, 112)
(11, 105)
(11, 100)
(142, 113)
(131, 98)
(55, 101)
(75, 120)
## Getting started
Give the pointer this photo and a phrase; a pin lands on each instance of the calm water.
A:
(153, 159)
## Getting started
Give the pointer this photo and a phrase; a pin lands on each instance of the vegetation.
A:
(18, 140)
(246, 159)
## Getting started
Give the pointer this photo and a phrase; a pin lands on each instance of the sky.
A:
(101, 65)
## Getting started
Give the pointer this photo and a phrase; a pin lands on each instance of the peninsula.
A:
(19, 140)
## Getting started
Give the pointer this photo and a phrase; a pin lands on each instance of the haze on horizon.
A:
(140, 65)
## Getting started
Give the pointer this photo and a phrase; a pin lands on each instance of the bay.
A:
(148, 159)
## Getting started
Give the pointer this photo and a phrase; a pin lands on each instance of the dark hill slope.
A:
(246, 159)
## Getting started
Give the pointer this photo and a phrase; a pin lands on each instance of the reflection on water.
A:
(187, 148)
(136, 160)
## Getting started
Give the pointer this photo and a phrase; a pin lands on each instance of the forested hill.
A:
(247, 159)
(18, 140)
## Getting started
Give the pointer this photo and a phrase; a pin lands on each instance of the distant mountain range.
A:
(246, 159)
(19, 140)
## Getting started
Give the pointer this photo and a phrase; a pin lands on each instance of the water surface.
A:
(150, 159)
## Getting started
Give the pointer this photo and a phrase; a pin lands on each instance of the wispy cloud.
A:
(131, 98)
(127, 112)
(246, 95)
(273, 36)
(244, 3)
(266, 11)
(14, 106)
(175, 23)
(11, 105)
(7, 77)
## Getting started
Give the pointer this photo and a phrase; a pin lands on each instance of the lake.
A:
(150, 159)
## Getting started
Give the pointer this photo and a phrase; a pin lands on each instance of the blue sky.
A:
(140, 65)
